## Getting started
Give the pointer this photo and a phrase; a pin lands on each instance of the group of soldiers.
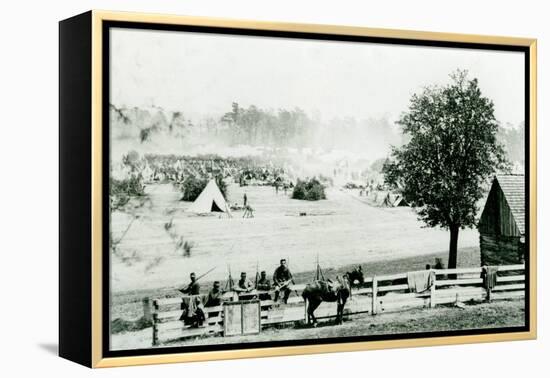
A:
(282, 278)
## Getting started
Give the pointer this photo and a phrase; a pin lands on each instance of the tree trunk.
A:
(453, 246)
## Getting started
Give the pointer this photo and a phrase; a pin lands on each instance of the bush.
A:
(192, 188)
(351, 185)
(122, 190)
(131, 186)
(310, 190)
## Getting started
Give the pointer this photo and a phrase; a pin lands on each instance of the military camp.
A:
(241, 217)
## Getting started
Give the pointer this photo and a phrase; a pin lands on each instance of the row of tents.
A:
(387, 199)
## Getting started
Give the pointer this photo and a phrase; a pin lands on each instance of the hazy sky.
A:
(202, 74)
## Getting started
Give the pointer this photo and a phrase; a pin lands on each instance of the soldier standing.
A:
(193, 288)
(192, 306)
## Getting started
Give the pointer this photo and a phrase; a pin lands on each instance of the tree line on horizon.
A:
(254, 126)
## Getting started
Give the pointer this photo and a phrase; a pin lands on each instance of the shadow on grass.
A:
(321, 324)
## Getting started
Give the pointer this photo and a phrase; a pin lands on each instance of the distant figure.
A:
(276, 188)
(428, 267)
(248, 212)
(282, 278)
(244, 285)
(245, 200)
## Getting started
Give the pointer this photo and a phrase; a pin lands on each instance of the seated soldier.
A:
(282, 278)
(263, 285)
(244, 285)
(214, 296)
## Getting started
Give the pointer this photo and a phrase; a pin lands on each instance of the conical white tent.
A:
(210, 199)
(400, 201)
(386, 201)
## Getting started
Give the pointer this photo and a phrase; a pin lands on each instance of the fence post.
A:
(147, 309)
(374, 295)
(155, 331)
(432, 291)
(485, 275)
(154, 320)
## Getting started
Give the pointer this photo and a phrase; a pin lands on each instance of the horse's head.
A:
(355, 277)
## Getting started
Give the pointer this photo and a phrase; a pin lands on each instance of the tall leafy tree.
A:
(451, 153)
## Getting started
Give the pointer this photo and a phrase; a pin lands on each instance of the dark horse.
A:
(327, 291)
(356, 277)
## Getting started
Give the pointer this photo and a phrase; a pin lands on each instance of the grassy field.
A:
(339, 231)
(476, 316)
(472, 316)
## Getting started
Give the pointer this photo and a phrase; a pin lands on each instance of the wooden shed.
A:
(502, 223)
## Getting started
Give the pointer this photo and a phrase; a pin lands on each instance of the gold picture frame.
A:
(90, 328)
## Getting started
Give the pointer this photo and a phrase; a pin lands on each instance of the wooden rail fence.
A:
(378, 294)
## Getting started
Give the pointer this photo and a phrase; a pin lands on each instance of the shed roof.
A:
(513, 187)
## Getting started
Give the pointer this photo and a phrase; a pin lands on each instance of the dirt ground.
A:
(507, 313)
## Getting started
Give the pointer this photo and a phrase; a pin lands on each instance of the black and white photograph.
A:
(280, 189)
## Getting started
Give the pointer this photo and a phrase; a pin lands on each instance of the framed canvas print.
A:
(235, 189)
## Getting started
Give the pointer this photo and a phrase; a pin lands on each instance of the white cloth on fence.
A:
(420, 281)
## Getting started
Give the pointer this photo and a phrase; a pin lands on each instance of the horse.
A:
(356, 277)
(327, 291)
